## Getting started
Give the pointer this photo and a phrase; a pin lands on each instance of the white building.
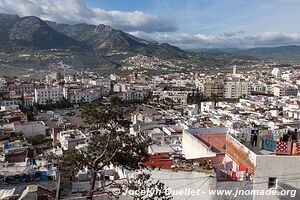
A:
(48, 95)
(237, 88)
(178, 82)
(82, 95)
(174, 95)
(101, 82)
(10, 108)
(134, 94)
(192, 109)
(71, 138)
(114, 77)
(276, 72)
(26, 102)
(286, 76)
(207, 106)
(234, 70)
(279, 91)
(258, 87)
(119, 87)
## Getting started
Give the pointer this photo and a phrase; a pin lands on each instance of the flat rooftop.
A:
(214, 138)
(161, 149)
(215, 141)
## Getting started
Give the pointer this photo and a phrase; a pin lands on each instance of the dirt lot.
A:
(75, 120)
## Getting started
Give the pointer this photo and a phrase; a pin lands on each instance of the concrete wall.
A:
(193, 148)
(184, 181)
(240, 153)
(285, 168)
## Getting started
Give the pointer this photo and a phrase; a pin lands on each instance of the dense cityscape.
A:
(88, 111)
(191, 119)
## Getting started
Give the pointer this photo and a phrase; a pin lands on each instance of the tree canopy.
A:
(110, 143)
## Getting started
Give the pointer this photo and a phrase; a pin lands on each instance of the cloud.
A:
(231, 39)
(135, 21)
(188, 41)
(277, 38)
(76, 11)
(204, 37)
(233, 33)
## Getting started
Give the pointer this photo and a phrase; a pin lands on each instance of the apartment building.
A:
(279, 91)
(48, 94)
(213, 86)
(22, 88)
(177, 96)
(236, 88)
(78, 95)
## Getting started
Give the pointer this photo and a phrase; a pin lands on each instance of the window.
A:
(272, 182)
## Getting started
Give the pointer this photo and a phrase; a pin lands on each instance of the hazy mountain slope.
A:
(285, 53)
(6, 23)
(35, 33)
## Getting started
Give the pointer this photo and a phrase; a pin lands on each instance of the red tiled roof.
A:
(216, 141)
(161, 160)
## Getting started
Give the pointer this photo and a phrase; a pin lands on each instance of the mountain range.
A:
(102, 48)
(34, 33)
(290, 53)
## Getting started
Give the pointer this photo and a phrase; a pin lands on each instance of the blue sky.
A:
(216, 16)
(179, 22)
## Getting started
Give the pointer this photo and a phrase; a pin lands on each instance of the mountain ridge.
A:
(290, 53)
(31, 32)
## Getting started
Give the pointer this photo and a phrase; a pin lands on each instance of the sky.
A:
(184, 23)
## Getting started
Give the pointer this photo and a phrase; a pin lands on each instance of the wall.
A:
(184, 181)
(193, 148)
(240, 153)
(285, 168)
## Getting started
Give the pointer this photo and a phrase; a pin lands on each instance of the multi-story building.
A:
(286, 76)
(134, 94)
(177, 96)
(213, 86)
(48, 95)
(237, 88)
(280, 91)
(79, 95)
(102, 82)
(22, 88)
(27, 101)
(9, 102)
(258, 87)
(119, 87)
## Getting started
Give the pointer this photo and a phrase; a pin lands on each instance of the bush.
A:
(36, 140)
